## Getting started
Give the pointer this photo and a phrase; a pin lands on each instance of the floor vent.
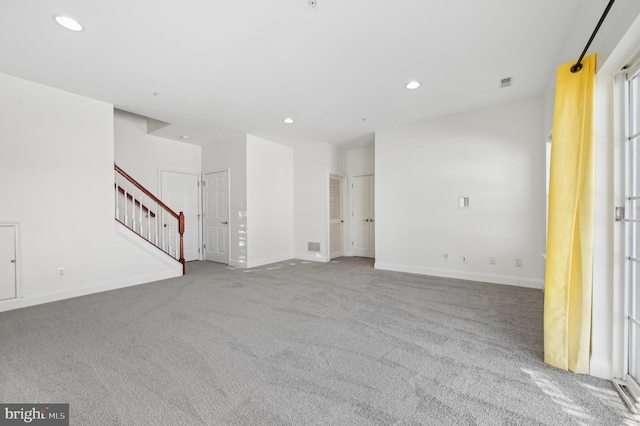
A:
(313, 246)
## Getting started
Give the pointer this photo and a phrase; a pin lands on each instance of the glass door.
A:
(632, 230)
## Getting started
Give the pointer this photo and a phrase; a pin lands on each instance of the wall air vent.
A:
(313, 246)
(505, 82)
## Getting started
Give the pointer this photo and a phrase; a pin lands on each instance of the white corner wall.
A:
(231, 154)
(269, 201)
(494, 156)
(56, 172)
(361, 161)
(312, 165)
(144, 156)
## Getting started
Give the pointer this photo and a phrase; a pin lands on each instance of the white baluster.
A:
(140, 230)
(149, 219)
(169, 235)
(115, 178)
(163, 232)
(133, 208)
(126, 209)
(177, 237)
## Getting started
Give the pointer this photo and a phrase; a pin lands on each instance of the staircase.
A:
(148, 217)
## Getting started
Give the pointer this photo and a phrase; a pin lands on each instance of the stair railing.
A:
(147, 216)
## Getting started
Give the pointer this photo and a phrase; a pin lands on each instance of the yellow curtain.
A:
(568, 280)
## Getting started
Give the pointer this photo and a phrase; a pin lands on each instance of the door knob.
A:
(13, 261)
(225, 223)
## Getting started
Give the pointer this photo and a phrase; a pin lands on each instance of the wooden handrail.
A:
(137, 203)
(143, 189)
(179, 217)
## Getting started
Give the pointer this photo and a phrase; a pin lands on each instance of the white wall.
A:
(361, 161)
(143, 156)
(495, 157)
(231, 154)
(269, 201)
(56, 172)
(312, 165)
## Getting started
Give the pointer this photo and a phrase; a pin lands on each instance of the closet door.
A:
(362, 216)
(336, 221)
(7, 262)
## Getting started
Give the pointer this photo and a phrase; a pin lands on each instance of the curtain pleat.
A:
(568, 278)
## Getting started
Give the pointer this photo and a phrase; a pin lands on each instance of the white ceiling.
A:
(242, 66)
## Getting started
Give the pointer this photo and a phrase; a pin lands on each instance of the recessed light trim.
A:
(184, 136)
(288, 120)
(413, 85)
(68, 23)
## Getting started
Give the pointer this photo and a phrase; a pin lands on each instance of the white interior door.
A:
(336, 221)
(181, 192)
(216, 217)
(7, 262)
(362, 216)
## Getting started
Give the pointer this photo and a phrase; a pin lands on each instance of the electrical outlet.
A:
(445, 256)
(61, 272)
(519, 263)
(492, 260)
(465, 259)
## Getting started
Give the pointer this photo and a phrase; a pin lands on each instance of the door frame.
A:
(202, 191)
(350, 210)
(612, 128)
(199, 180)
(346, 230)
(18, 248)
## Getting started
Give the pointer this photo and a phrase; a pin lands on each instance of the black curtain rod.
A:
(578, 65)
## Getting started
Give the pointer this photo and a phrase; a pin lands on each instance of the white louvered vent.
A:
(313, 246)
(505, 82)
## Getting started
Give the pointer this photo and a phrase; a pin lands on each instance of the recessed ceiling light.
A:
(185, 136)
(68, 23)
(412, 85)
(288, 120)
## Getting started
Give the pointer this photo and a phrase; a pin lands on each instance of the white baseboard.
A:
(237, 264)
(54, 296)
(268, 260)
(314, 257)
(602, 368)
(464, 275)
